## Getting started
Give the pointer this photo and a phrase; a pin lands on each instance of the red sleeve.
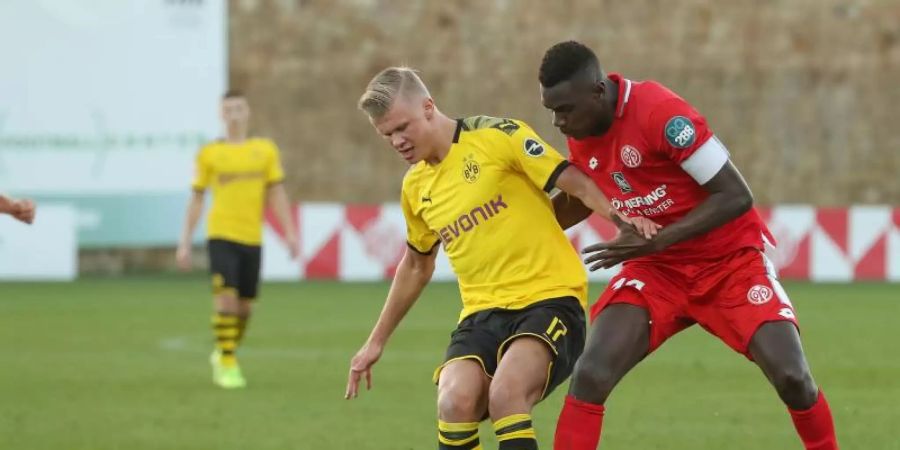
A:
(675, 128)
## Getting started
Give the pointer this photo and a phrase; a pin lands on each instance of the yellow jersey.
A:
(486, 203)
(239, 175)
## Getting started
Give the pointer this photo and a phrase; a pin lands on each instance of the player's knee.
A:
(592, 382)
(459, 405)
(508, 398)
(796, 387)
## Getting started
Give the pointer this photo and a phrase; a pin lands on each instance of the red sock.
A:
(579, 425)
(815, 426)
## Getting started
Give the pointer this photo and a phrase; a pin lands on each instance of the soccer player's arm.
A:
(202, 177)
(547, 168)
(682, 134)
(277, 199)
(569, 210)
(413, 273)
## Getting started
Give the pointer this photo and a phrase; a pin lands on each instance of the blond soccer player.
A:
(478, 188)
(244, 174)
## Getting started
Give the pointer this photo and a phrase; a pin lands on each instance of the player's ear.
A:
(428, 107)
(598, 90)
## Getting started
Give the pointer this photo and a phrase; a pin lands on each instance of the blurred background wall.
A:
(804, 93)
(102, 112)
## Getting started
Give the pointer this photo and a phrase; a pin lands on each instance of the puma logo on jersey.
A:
(468, 221)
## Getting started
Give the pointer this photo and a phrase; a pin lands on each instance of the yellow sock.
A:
(458, 436)
(515, 432)
(225, 328)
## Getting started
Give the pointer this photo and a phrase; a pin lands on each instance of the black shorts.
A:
(234, 267)
(485, 336)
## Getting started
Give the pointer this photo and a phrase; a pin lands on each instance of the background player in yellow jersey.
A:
(478, 186)
(244, 174)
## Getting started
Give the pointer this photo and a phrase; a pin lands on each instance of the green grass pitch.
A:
(122, 364)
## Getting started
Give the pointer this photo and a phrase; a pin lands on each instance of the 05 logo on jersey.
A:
(759, 294)
(631, 157)
(680, 132)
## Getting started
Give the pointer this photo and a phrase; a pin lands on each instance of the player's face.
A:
(577, 108)
(406, 126)
(235, 111)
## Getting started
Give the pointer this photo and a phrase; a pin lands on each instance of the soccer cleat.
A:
(228, 377)
(231, 378)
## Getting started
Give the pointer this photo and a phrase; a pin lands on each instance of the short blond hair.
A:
(387, 86)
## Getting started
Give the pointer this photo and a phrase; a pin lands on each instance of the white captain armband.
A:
(706, 162)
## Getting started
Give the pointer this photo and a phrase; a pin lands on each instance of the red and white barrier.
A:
(365, 242)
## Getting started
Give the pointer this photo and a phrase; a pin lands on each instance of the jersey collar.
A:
(624, 92)
(459, 128)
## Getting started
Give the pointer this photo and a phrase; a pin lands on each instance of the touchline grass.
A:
(122, 364)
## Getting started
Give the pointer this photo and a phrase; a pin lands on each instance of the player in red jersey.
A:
(653, 155)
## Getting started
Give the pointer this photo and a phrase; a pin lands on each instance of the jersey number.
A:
(556, 329)
(637, 284)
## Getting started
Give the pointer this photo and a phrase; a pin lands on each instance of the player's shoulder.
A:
(648, 94)
(264, 142)
(210, 145)
(655, 105)
(493, 126)
(414, 175)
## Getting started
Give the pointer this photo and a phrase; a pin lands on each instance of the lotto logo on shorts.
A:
(759, 294)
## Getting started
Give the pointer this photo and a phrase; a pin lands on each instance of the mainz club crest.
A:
(759, 294)
(631, 157)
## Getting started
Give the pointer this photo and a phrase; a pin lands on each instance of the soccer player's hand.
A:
(627, 245)
(23, 210)
(183, 257)
(644, 226)
(293, 246)
(361, 366)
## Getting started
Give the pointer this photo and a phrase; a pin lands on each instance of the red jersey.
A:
(653, 162)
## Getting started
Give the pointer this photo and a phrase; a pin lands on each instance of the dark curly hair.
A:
(564, 60)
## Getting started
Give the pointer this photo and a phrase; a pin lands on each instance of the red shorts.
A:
(730, 298)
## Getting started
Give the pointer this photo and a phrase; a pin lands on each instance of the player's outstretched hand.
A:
(627, 245)
(361, 366)
(642, 225)
(23, 210)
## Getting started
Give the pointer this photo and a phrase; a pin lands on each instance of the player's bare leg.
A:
(462, 403)
(777, 349)
(226, 372)
(518, 385)
(244, 312)
(617, 340)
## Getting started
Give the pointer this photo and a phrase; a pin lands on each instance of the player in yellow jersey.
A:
(478, 187)
(244, 174)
